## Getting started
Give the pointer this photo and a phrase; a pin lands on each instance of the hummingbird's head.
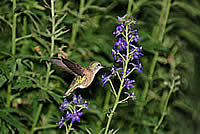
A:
(95, 66)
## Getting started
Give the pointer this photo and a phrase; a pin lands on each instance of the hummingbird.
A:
(83, 75)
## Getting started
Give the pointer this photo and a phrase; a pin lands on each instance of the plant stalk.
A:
(75, 26)
(162, 26)
(48, 64)
(69, 128)
(53, 28)
(105, 108)
(8, 96)
(14, 28)
(36, 118)
(165, 107)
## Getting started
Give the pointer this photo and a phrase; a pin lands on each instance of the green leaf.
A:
(56, 97)
(191, 9)
(12, 121)
(2, 80)
(22, 83)
(4, 127)
(20, 66)
(11, 64)
(194, 40)
(152, 47)
(18, 112)
(43, 96)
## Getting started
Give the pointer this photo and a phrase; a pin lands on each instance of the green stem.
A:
(162, 26)
(47, 74)
(119, 76)
(121, 86)
(53, 28)
(52, 42)
(36, 118)
(8, 96)
(23, 37)
(164, 18)
(7, 22)
(45, 127)
(114, 107)
(150, 79)
(105, 108)
(24, 25)
(48, 65)
(130, 3)
(113, 89)
(75, 26)
(165, 107)
(69, 128)
(14, 28)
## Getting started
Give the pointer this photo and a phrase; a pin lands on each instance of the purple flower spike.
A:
(126, 53)
(72, 109)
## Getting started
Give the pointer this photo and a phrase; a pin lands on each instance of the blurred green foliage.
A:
(31, 88)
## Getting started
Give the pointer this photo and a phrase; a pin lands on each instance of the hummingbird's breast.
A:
(89, 78)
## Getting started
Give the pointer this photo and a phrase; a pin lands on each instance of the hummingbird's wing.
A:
(74, 67)
(58, 62)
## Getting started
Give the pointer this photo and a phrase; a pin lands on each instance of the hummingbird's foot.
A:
(62, 52)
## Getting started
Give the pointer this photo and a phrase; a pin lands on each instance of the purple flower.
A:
(85, 104)
(114, 70)
(118, 31)
(121, 44)
(127, 71)
(119, 28)
(80, 99)
(64, 105)
(128, 83)
(61, 122)
(119, 59)
(75, 115)
(131, 95)
(75, 99)
(138, 66)
(114, 52)
(121, 18)
(134, 36)
(105, 78)
(73, 109)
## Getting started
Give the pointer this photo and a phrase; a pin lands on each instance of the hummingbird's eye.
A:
(99, 64)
